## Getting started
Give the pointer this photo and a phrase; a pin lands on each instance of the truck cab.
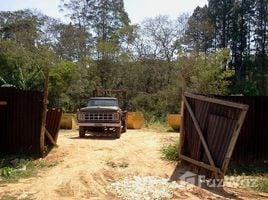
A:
(102, 115)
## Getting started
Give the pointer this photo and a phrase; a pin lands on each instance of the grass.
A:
(16, 167)
(259, 174)
(171, 151)
(111, 164)
(123, 165)
(262, 184)
(248, 170)
(115, 165)
(158, 125)
(8, 197)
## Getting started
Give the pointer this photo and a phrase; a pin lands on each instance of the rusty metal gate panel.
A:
(252, 143)
(53, 123)
(20, 121)
(210, 130)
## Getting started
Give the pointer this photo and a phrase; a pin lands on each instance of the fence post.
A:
(44, 114)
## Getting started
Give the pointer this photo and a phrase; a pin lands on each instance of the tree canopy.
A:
(220, 49)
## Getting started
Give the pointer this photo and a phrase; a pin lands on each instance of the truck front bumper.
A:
(100, 124)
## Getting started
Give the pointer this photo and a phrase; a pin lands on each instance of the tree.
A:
(62, 76)
(22, 27)
(159, 40)
(73, 43)
(221, 13)
(104, 19)
(261, 43)
(199, 32)
(206, 74)
(16, 66)
(241, 26)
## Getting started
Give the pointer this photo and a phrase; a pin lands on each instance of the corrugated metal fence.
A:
(218, 121)
(20, 121)
(252, 143)
(53, 123)
(210, 130)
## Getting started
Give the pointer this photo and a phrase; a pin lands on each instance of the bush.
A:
(171, 151)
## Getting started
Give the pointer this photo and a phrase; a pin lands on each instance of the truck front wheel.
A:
(118, 132)
(81, 132)
(124, 129)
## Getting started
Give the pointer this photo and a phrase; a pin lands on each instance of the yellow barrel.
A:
(68, 121)
(174, 120)
(135, 120)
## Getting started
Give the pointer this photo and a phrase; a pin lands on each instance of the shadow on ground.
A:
(94, 137)
(184, 173)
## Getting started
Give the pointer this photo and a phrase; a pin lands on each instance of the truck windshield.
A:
(103, 102)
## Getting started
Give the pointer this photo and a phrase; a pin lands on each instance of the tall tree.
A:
(261, 42)
(199, 32)
(103, 19)
(22, 26)
(221, 12)
(159, 39)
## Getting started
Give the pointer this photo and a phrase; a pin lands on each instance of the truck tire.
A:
(118, 132)
(124, 129)
(81, 132)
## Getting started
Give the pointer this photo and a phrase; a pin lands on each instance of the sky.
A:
(137, 10)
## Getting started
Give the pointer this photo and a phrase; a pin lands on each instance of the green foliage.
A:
(20, 168)
(7, 172)
(199, 32)
(241, 27)
(62, 76)
(171, 151)
(207, 74)
(21, 67)
(154, 60)
(257, 173)
(155, 124)
(248, 170)
(247, 88)
(13, 168)
(15, 66)
(262, 184)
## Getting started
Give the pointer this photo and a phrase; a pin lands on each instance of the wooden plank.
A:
(3, 103)
(199, 131)
(58, 127)
(217, 101)
(50, 138)
(182, 134)
(233, 140)
(201, 164)
(44, 114)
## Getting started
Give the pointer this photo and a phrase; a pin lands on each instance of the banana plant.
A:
(22, 79)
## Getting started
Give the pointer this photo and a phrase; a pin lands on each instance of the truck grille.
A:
(98, 116)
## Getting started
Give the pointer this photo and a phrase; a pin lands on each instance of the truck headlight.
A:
(80, 116)
(116, 116)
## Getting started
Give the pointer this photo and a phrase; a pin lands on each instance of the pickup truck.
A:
(102, 115)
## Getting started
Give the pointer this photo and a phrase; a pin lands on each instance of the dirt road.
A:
(87, 166)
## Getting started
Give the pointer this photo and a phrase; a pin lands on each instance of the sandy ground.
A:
(87, 166)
